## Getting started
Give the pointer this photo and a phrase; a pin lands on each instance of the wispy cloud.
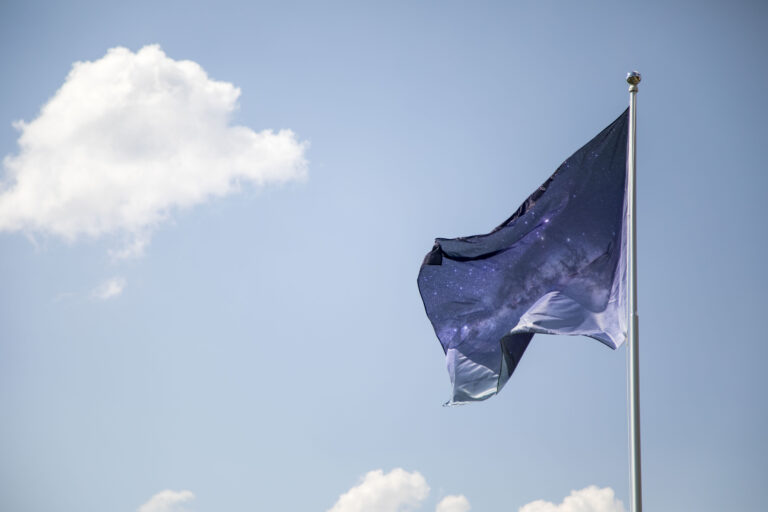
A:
(128, 139)
(167, 501)
(110, 288)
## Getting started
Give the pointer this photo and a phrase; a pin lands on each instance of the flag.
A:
(556, 266)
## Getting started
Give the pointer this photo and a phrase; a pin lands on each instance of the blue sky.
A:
(264, 346)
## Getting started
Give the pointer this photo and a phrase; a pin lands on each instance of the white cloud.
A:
(589, 499)
(453, 504)
(167, 501)
(396, 491)
(128, 139)
(400, 491)
(110, 288)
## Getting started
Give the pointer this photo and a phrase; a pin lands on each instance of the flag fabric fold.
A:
(556, 266)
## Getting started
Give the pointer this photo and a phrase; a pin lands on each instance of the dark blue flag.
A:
(556, 266)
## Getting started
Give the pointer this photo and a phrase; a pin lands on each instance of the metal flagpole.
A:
(636, 505)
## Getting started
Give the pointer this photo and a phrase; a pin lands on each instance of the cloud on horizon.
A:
(456, 503)
(396, 491)
(401, 491)
(589, 499)
(127, 140)
(167, 501)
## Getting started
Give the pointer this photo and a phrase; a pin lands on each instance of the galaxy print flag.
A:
(556, 266)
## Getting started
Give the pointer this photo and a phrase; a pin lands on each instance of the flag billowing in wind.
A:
(556, 266)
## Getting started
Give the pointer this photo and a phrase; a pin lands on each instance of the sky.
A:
(212, 216)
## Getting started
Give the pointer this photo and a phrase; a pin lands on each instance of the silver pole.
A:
(636, 505)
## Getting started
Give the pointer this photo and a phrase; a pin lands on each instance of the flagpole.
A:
(636, 502)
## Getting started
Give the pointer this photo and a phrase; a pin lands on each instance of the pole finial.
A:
(633, 79)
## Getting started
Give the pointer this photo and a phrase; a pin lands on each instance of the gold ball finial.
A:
(633, 78)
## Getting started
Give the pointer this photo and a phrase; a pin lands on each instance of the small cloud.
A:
(396, 491)
(589, 499)
(456, 503)
(109, 288)
(167, 501)
(129, 139)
